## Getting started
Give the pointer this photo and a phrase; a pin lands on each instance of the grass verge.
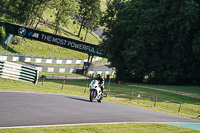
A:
(33, 47)
(106, 128)
(192, 89)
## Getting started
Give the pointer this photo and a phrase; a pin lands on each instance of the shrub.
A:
(16, 40)
(2, 32)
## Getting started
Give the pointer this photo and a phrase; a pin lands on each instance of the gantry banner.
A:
(46, 37)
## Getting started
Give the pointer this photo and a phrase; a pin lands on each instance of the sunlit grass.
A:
(193, 89)
(106, 128)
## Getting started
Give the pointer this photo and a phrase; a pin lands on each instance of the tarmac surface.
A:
(36, 109)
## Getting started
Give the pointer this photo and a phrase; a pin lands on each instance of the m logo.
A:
(22, 31)
(33, 34)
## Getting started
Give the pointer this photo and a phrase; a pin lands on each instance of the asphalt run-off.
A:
(23, 109)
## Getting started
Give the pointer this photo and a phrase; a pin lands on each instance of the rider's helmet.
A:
(98, 75)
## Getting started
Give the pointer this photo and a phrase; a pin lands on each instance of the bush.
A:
(16, 40)
(2, 32)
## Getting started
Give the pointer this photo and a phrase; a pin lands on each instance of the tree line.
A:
(30, 13)
(157, 41)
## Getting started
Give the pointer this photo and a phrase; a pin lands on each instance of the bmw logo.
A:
(22, 31)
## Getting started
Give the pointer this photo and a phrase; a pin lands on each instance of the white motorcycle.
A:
(95, 91)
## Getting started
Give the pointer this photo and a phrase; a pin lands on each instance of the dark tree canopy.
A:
(154, 39)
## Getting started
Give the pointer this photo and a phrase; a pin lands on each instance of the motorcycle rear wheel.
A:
(100, 100)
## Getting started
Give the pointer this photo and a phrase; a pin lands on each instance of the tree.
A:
(3, 4)
(108, 17)
(89, 14)
(45, 5)
(16, 9)
(82, 14)
(93, 16)
(34, 7)
(111, 45)
(156, 39)
(22, 11)
(65, 10)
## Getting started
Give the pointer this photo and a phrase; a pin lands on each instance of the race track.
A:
(32, 109)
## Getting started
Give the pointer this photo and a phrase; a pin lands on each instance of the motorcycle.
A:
(95, 91)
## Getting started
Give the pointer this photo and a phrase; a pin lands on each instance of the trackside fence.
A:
(16, 71)
(156, 99)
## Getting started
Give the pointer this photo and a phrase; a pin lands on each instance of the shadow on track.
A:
(80, 99)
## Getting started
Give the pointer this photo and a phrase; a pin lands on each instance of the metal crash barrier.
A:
(16, 71)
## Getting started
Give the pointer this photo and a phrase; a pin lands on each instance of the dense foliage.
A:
(2, 32)
(30, 13)
(89, 15)
(65, 10)
(154, 39)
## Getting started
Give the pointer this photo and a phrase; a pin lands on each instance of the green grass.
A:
(71, 31)
(49, 14)
(102, 61)
(61, 74)
(189, 89)
(108, 128)
(43, 49)
(166, 102)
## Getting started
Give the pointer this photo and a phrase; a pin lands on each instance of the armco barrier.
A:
(18, 72)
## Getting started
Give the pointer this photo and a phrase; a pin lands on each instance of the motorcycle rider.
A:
(101, 82)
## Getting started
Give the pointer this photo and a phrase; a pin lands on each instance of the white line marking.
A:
(88, 124)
